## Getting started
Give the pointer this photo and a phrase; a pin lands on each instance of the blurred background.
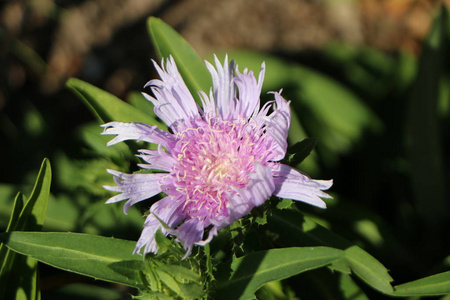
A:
(365, 78)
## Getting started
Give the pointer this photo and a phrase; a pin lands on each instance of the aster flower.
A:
(218, 162)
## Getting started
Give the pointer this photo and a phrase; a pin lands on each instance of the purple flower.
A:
(219, 161)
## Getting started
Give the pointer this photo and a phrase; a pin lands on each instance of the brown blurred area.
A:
(44, 42)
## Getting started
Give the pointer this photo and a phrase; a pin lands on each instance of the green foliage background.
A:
(380, 123)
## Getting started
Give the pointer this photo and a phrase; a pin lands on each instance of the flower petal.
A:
(224, 89)
(277, 126)
(258, 189)
(166, 210)
(156, 159)
(292, 184)
(135, 187)
(173, 100)
(190, 233)
(249, 92)
(139, 132)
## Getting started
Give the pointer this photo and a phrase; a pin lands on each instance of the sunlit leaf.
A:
(5, 253)
(250, 272)
(103, 258)
(106, 106)
(297, 230)
(368, 269)
(168, 42)
(18, 273)
(438, 284)
(62, 213)
(33, 214)
(180, 272)
(7, 192)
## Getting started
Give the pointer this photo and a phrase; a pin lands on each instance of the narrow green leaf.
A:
(329, 110)
(185, 283)
(6, 257)
(33, 214)
(301, 150)
(84, 291)
(366, 69)
(19, 276)
(295, 229)
(166, 245)
(103, 258)
(428, 180)
(368, 269)
(168, 42)
(108, 107)
(19, 203)
(169, 281)
(7, 192)
(250, 272)
(179, 272)
(438, 284)
(350, 290)
(209, 263)
(192, 290)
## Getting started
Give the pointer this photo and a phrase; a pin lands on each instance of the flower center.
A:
(214, 158)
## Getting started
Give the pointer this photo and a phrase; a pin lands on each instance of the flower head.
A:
(218, 162)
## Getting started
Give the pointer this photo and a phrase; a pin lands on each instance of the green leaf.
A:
(6, 257)
(428, 181)
(366, 69)
(7, 192)
(370, 270)
(296, 133)
(192, 290)
(438, 284)
(91, 135)
(33, 214)
(183, 282)
(329, 110)
(107, 107)
(84, 291)
(209, 264)
(141, 103)
(301, 150)
(103, 258)
(295, 229)
(169, 281)
(168, 42)
(179, 272)
(350, 290)
(19, 203)
(18, 273)
(250, 272)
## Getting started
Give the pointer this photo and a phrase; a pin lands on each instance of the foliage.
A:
(377, 124)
